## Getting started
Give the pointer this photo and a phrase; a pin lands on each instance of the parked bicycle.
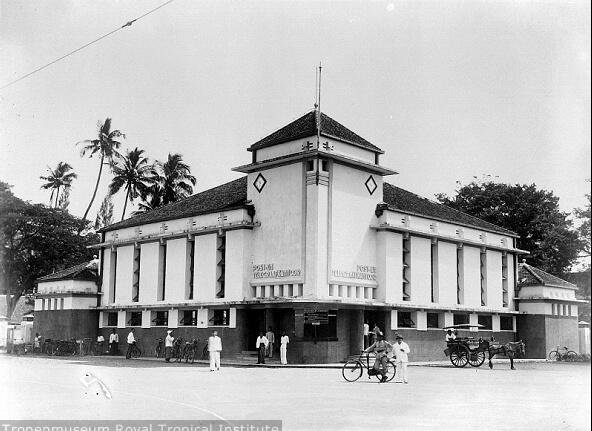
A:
(354, 368)
(189, 351)
(563, 354)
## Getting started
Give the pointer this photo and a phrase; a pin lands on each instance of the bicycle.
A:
(66, 348)
(354, 368)
(189, 351)
(134, 351)
(97, 348)
(568, 355)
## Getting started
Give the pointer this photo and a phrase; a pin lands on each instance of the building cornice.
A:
(189, 233)
(303, 155)
(385, 227)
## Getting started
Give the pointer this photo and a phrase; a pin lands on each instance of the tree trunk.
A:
(57, 197)
(96, 188)
(125, 204)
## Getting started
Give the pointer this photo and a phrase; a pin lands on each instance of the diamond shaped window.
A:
(259, 182)
(371, 185)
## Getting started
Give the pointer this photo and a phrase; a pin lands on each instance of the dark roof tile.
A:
(83, 271)
(307, 126)
(229, 195)
(405, 201)
(532, 276)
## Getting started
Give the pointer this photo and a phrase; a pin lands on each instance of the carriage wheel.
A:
(476, 358)
(459, 357)
(352, 370)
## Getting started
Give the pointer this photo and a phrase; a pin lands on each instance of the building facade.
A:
(312, 241)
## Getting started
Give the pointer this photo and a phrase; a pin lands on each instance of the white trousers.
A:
(214, 361)
(283, 354)
(401, 372)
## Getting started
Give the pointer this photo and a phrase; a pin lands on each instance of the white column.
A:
(146, 318)
(394, 316)
(448, 319)
(121, 323)
(173, 318)
(473, 320)
(101, 317)
(232, 318)
(495, 323)
(202, 318)
(421, 320)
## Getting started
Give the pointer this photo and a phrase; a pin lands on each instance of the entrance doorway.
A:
(255, 322)
(375, 317)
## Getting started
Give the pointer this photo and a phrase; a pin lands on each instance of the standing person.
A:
(113, 342)
(376, 331)
(37, 343)
(366, 334)
(214, 347)
(100, 344)
(270, 340)
(131, 340)
(261, 346)
(168, 346)
(401, 352)
(284, 348)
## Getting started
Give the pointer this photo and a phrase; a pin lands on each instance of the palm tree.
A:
(57, 178)
(151, 199)
(106, 145)
(134, 174)
(175, 179)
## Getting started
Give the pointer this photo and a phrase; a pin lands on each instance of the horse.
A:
(510, 350)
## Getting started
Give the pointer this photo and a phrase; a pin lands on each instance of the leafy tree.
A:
(106, 146)
(58, 178)
(105, 214)
(34, 241)
(584, 215)
(133, 173)
(533, 214)
(175, 179)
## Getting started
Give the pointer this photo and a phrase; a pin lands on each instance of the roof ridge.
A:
(285, 125)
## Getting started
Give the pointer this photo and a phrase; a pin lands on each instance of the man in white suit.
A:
(214, 347)
(401, 350)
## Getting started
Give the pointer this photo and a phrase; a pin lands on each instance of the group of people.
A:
(264, 346)
(385, 350)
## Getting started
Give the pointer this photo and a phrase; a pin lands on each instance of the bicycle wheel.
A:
(191, 356)
(205, 353)
(352, 370)
(554, 355)
(571, 356)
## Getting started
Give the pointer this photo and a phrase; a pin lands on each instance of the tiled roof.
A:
(532, 276)
(23, 306)
(226, 196)
(405, 201)
(307, 126)
(83, 271)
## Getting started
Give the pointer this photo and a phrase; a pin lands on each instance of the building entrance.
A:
(375, 318)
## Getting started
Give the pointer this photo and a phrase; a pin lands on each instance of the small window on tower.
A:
(310, 165)
(325, 165)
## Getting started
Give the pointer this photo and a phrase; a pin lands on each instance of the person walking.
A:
(131, 340)
(270, 340)
(284, 348)
(261, 346)
(113, 342)
(168, 346)
(366, 334)
(401, 358)
(214, 348)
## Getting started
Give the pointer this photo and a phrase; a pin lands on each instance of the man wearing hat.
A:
(401, 350)
(381, 347)
(168, 346)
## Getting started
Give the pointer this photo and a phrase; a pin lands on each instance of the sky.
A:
(449, 90)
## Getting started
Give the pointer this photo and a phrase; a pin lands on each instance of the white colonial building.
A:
(312, 241)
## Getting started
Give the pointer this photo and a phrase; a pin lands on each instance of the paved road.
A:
(540, 396)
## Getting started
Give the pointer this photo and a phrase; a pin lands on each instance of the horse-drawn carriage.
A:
(471, 350)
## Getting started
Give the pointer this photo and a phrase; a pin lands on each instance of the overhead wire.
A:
(127, 24)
